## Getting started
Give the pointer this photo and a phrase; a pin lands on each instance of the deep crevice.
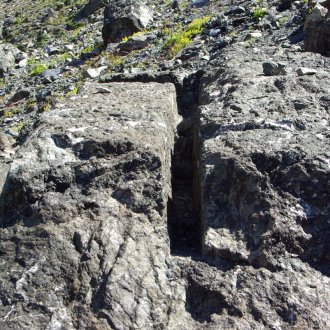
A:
(184, 219)
(184, 225)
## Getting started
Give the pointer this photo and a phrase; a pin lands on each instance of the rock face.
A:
(317, 30)
(123, 18)
(84, 213)
(186, 194)
(264, 190)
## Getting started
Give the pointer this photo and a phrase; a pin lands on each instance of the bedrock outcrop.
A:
(264, 174)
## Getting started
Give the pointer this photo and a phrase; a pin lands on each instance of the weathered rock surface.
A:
(116, 213)
(317, 30)
(83, 238)
(123, 18)
(8, 55)
(264, 159)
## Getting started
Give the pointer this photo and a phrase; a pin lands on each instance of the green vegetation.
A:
(179, 40)
(75, 90)
(38, 68)
(7, 114)
(18, 127)
(258, 13)
(88, 49)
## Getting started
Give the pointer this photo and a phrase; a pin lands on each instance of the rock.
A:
(20, 95)
(136, 42)
(317, 31)
(5, 143)
(52, 50)
(214, 32)
(23, 63)
(43, 95)
(51, 13)
(123, 18)
(223, 42)
(48, 76)
(263, 175)
(305, 71)
(8, 54)
(273, 68)
(87, 208)
(69, 47)
(93, 73)
(91, 7)
(253, 35)
(200, 3)
(284, 5)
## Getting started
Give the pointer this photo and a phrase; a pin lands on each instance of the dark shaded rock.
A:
(273, 69)
(199, 3)
(91, 7)
(50, 75)
(284, 5)
(43, 94)
(20, 95)
(317, 31)
(136, 42)
(123, 18)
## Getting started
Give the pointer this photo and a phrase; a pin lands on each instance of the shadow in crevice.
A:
(184, 225)
(184, 221)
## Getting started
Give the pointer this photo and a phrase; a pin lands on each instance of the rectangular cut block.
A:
(86, 209)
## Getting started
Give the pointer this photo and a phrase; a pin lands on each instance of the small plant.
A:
(179, 40)
(38, 68)
(63, 57)
(18, 127)
(75, 89)
(7, 114)
(45, 107)
(258, 13)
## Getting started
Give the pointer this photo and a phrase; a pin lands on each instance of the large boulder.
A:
(123, 18)
(317, 30)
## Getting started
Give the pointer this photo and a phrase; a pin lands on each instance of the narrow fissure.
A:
(184, 218)
(184, 225)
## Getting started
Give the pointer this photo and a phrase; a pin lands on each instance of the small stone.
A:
(273, 68)
(214, 32)
(253, 35)
(20, 95)
(305, 71)
(93, 73)
(200, 3)
(51, 13)
(43, 94)
(52, 50)
(69, 47)
(23, 63)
